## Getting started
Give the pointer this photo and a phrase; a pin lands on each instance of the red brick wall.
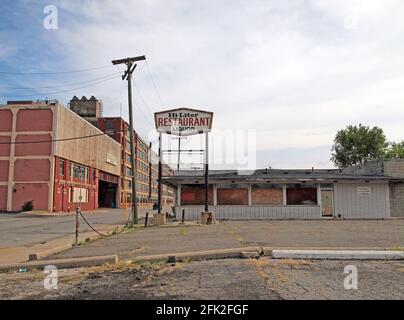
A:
(61, 201)
(31, 170)
(34, 120)
(232, 196)
(33, 149)
(195, 195)
(23, 192)
(272, 196)
(6, 120)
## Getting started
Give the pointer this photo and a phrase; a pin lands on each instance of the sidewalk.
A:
(43, 250)
(46, 234)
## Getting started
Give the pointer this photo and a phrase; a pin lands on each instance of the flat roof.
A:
(273, 176)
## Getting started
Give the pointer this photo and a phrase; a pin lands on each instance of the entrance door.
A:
(327, 204)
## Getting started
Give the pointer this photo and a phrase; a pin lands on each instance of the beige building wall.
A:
(101, 152)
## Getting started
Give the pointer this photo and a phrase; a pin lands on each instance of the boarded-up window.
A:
(80, 195)
(266, 194)
(301, 194)
(195, 195)
(232, 196)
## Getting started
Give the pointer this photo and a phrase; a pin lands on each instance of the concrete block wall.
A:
(394, 168)
(374, 167)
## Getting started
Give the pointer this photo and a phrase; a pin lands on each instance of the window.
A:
(80, 195)
(79, 172)
(109, 125)
(267, 194)
(61, 168)
(301, 194)
(127, 158)
(128, 171)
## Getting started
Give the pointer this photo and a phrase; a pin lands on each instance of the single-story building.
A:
(352, 193)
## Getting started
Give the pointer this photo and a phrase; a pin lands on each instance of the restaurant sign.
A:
(183, 121)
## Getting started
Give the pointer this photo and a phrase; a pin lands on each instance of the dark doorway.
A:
(107, 194)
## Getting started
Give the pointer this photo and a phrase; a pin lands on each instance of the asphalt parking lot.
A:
(216, 279)
(318, 234)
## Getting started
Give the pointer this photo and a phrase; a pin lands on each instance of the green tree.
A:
(395, 151)
(357, 144)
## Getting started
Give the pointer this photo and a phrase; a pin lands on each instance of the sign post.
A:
(186, 122)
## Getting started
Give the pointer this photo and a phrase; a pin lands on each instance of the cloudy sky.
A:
(292, 72)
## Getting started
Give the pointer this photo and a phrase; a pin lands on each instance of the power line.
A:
(61, 85)
(61, 91)
(143, 100)
(56, 72)
(60, 140)
(154, 84)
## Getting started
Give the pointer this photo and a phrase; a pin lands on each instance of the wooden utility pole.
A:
(206, 172)
(130, 67)
(160, 173)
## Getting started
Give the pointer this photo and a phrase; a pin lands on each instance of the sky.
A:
(286, 74)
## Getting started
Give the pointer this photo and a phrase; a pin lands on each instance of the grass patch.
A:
(182, 231)
(294, 263)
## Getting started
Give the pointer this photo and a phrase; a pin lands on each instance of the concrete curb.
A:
(55, 246)
(61, 263)
(338, 254)
(201, 255)
(50, 252)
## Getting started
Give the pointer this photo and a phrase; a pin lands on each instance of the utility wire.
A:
(56, 72)
(60, 140)
(61, 85)
(154, 84)
(143, 100)
(61, 91)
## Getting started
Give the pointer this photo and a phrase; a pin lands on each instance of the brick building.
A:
(45, 159)
(146, 159)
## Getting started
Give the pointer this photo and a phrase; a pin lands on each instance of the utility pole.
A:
(206, 172)
(160, 173)
(130, 67)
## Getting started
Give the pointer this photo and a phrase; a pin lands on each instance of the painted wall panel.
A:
(4, 170)
(37, 192)
(351, 202)
(23, 148)
(226, 212)
(34, 120)
(5, 148)
(3, 198)
(31, 170)
(6, 120)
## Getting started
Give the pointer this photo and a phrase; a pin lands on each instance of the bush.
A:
(28, 206)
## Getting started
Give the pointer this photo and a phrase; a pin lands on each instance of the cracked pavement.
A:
(248, 279)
